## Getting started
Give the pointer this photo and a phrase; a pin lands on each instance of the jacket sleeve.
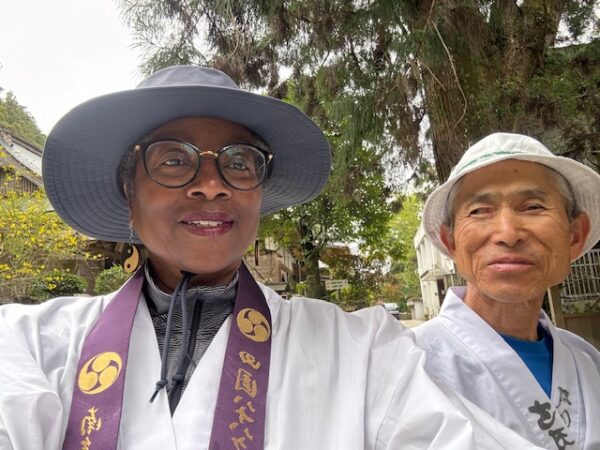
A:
(424, 414)
(31, 412)
(39, 352)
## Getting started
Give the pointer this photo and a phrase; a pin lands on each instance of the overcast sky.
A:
(55, 54)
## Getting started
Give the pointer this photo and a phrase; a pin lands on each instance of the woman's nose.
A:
(208, 182)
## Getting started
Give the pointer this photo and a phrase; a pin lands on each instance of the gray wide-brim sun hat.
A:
(497, 147)
(83, 151)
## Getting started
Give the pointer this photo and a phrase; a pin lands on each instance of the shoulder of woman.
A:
(57, 315)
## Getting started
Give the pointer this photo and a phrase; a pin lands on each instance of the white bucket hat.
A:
(497, 147)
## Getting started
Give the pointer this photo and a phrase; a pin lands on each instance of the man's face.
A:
(512, 238)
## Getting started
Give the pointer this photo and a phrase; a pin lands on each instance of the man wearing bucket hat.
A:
(191, 352)
(513, 216)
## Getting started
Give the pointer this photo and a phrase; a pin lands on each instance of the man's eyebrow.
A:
(483, 197)
(538, 194)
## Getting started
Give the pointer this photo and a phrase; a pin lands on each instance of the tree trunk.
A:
(313, 276)
(447, 109)
(310, 255)
(445, 98)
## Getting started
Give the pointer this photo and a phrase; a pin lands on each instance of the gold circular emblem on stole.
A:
(253, 325)
(99, 373)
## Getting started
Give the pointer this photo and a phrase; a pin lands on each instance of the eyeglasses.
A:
(174, 164)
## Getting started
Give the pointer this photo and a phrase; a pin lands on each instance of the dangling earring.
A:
(132, 261)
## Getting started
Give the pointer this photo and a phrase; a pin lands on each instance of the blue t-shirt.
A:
(537, 356)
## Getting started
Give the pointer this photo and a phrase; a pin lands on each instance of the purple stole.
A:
(239, 420)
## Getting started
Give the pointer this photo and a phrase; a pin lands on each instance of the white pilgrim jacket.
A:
(337, 381)
(466, 354)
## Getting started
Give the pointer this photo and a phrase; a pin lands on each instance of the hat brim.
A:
(83, 151)
(584, 182)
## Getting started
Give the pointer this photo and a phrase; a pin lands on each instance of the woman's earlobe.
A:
(129, 197)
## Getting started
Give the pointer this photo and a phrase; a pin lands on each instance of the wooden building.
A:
(19, 157)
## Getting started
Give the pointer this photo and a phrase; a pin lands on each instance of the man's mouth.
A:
(513, 260)
(511, 264)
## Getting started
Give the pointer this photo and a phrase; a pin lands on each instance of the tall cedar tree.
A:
(378, 76)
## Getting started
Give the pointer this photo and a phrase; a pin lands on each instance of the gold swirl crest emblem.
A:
(99, 373)
(253, 325)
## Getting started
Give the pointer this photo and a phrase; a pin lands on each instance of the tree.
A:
(33, 240)
(393, 78)
(350, 209)
(353, 205)
(382, 67)
(568, 99)
(365, 275)
(16, 118)
(110, 279)
(401, 249)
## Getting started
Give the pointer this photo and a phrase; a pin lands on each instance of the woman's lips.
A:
(207, 223)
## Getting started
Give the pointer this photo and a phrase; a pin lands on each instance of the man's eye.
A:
(479, 211)
(534, 207)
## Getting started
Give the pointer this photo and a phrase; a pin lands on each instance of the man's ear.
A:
(580, 230)
(447, 239)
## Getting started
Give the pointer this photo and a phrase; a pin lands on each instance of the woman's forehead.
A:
(194, 127)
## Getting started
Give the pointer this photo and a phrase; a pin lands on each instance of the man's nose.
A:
(509, 228)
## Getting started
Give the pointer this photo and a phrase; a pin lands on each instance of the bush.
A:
(56, 283)
(110, 280)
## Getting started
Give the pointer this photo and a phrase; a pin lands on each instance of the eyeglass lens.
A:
(175, 164)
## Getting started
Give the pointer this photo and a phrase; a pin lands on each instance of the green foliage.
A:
(391, 292)
(567, 97)
(352, 208)
(364, 275)
(585, 307)
(300, 288)
(110, 280)
(370, 72)
(56, 283)
(33, 239)
(16, 118)
(403, 227)
(387, 81)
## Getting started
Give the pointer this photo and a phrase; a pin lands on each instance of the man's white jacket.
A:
(466, 354)
(337, 381)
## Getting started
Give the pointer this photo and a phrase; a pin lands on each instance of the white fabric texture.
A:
(337, 381)
(466, 354)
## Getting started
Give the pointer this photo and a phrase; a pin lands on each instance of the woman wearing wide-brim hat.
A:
(191, 352)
